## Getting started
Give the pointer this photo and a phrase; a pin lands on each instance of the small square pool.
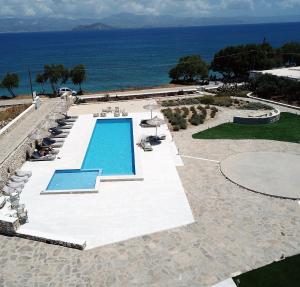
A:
(74, 180)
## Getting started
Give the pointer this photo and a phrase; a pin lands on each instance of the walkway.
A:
(10, 141)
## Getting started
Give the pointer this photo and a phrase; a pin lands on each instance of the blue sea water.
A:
(111, 148)
(128, 58)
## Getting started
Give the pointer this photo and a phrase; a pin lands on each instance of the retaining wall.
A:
(258, 120)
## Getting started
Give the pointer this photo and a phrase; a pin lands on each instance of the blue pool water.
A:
(111, 148)
(73, 179)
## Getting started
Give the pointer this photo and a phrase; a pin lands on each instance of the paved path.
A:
(10, 141)
(235, 230)
(142, 92)
(13, 102)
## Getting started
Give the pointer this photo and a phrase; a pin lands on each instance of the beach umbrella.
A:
(151, 107)
(157, 122)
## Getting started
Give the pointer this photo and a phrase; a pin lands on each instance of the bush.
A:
(212, 114)
(214, 109)
(207, 100)
(176, 128)
(256, 106)
(185, 111)
(183, 124)
(207, 107)
(223, 101)
(196, 119)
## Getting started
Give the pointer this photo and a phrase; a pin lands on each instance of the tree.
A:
(9, 82)
(40, 79)
(78, 75)
(290, 53)
(235, 62)
(56, 74)
(189, 69)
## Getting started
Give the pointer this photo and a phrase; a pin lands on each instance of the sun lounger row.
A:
(49, 147)
(117, 112)
(11, 195)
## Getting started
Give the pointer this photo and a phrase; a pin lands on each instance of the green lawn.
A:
(286, 129)
(285, 273)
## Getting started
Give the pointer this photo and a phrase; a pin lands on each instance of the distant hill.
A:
(127, 20)
(93, 27)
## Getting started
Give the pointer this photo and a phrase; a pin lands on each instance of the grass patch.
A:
(286, 129)
(285, 273)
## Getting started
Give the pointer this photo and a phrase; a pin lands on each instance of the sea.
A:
(127, 58)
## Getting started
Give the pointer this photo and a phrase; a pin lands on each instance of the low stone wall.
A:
(69, 244)
(16, 159)
(8, 225)
(16, 120)
(258, 120)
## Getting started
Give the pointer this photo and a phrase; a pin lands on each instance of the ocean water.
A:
(119, 59)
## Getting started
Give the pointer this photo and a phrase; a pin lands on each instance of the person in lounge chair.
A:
(58, 133)
(41, 156)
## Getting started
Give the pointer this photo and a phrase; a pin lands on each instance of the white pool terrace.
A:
(120, 210)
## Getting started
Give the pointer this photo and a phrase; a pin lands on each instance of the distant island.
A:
(93, 27)
(128, 21)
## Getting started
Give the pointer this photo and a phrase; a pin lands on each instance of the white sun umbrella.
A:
(151, 107)
(157, 122)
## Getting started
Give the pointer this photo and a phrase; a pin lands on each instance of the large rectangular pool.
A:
(111, 148)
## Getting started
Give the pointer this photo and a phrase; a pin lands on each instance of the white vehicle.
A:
(63, 90)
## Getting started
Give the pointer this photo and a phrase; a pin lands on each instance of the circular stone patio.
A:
(272, 173)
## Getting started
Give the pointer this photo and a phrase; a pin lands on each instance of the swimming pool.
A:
(73, 179)
(111, 148)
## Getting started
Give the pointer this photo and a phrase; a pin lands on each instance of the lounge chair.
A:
(22, 213)
(69, 117)
(14, 185)
(9, 190)
(117, 109)
(64, 122)
(16, 178)
(52, 141)
(52, 144)
(37, 157)
(116, 114)
(96, 115)
(124, 114)
(146, 145)
(58, 134)
(2, 201)
(57, 130)
(103, 114)
(144, 124)
(19, 172)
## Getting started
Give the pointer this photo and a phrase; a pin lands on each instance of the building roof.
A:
(290, 73)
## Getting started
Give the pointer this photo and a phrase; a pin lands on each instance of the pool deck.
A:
(120, 210)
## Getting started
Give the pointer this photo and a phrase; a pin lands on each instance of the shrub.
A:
(212, 114)
(214, 109)
(176, 128)
(196, 119)
(207, 100)
(223, 101)
(185, 111)
(183, 124)
(192, 109)
(256, 106)
(207, 107)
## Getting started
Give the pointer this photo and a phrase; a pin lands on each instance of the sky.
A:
(102, 8)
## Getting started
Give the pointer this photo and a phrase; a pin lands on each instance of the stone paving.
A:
(235, 230)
